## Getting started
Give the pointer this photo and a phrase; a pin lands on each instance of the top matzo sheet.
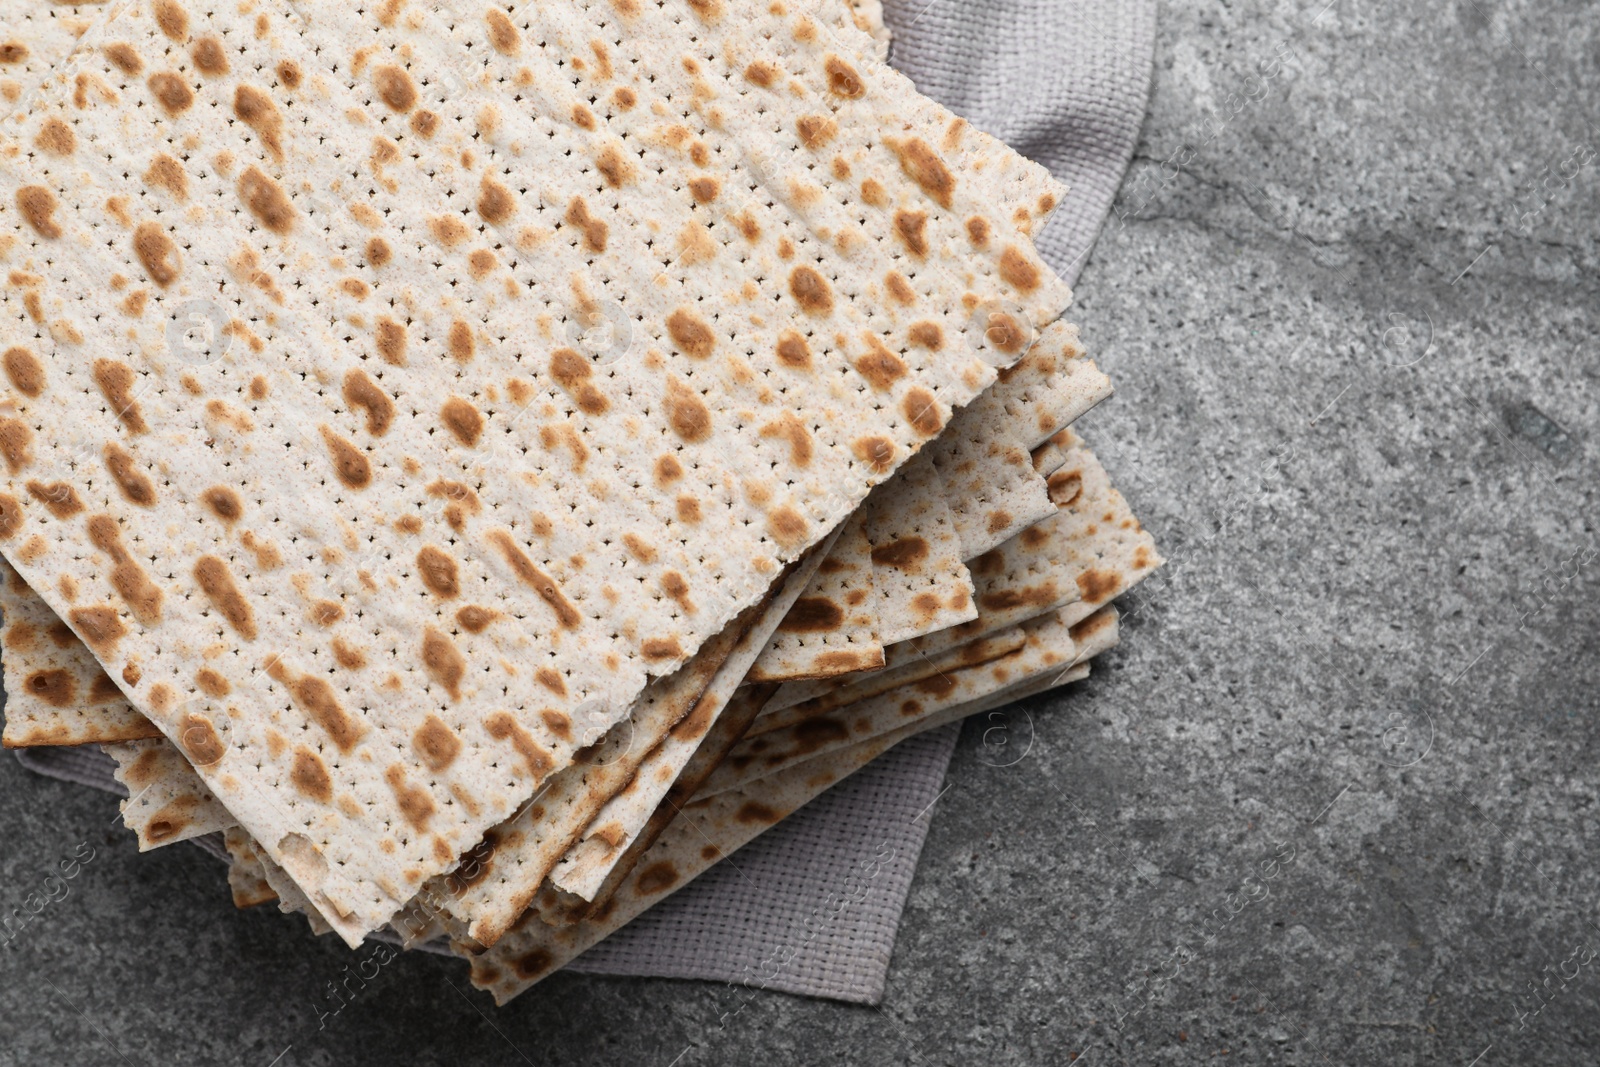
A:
(393, 391)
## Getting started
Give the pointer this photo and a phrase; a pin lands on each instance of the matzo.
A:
(916, 554)
(35, 35)
(557, 905)
(1056, 384)
(704, 833)
(1088, 639)
(430, 361)
(985, 459)
(247, 877)
(868, 17)
(832, 628)
(631, 767)
(167, 801)
(972, 654)
(1052, 455)
(1048, 647)
(1018, 405)
(56, 692)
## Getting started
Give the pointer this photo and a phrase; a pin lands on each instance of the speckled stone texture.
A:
(1330, 801)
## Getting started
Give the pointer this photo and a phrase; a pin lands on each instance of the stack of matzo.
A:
(492, 461)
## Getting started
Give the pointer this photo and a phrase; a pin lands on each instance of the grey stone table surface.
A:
(1333, 800)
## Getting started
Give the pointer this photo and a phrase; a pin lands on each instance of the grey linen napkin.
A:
(812, 905)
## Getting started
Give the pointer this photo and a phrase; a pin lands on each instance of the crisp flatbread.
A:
(907, 608)
(167, 802)
(628, 770)
(832, 628)
(1037, 666)
(704, 833)
(247, 877)
(56, 691)
(1052, 455)
(923, 593)
(1050, 646)
(35, 35)
(974, 653)
(916, 553)
(377, 454)
(868, 15)
(985, 459)
(1059, 561)
(555, 904)
(583, 875)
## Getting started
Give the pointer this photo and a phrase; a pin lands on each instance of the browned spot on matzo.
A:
(362, 392)
(100, 627)
(124, 58)
(880, 367)
(349, 462)
(55, 687)
(460, 342)
(38, 207)
(793, 350)
(912, 229)
(687, 413)
(842, 78)
(1097, 585)
(257, 111)
(309, 775)
(266, 201)
(905, 553)
(212, 683)
(438, 572)
(464, 421)
(691, 334)
(557, 723)
(128, 577)
(395, 87)
(217, 581)
(199, 740)
(156, 252)
(502, 727)
(788, 427)
(209, 57)
(573, 373)
(503, 33)
(811, 291)
(474, 618)
(534, 578)
(921, 409)
(167, 173)
(1018, 271)
(614, 166)
(172, 18)
(171, 92)
(924, 166)
(927, 335)
(495, 202)
(876, 452)
(594, 230)
(59, 498)
(443, 660)
(25, 371)
(436, 744)
(812, 615)
(316, 698)
(413, 800)
(56, 138)
(224, 503)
